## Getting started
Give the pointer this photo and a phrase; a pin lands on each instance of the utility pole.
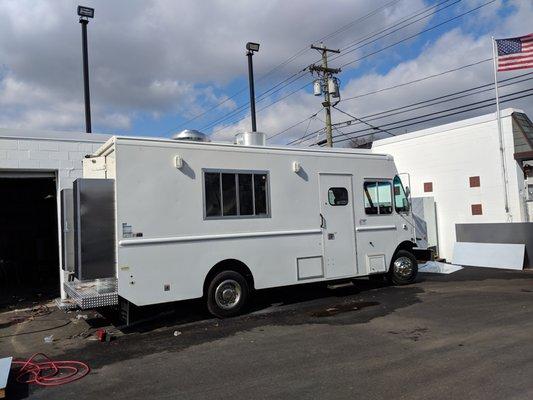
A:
(328, 85)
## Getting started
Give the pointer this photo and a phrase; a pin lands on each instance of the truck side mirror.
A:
(407, 192)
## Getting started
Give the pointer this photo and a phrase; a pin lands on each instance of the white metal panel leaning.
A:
(219, 220)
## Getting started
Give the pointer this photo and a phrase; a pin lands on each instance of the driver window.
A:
(401, 202)
(378, 197)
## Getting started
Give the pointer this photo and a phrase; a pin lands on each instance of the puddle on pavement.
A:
(343, 308)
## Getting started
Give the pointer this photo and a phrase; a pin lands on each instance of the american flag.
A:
(515, 53)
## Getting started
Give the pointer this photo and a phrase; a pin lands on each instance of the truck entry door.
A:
(338, 230)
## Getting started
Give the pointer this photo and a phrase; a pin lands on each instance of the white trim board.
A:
(5, 366)
(489, 255)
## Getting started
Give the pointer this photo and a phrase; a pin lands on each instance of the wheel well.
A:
(230, 265)
(405, 245)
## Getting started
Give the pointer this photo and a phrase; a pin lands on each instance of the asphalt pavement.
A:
(468, 335)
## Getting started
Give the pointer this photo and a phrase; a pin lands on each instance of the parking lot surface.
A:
(462, 336)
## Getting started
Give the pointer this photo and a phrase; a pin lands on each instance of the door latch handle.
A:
(322, 221)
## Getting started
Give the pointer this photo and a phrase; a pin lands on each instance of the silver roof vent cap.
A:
(192, 135)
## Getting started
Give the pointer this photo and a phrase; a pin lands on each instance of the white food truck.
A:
(160, 220)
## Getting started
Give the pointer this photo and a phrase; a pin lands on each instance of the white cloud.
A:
(162, 57)
(31, 106)
(454, 48)
(157, 56)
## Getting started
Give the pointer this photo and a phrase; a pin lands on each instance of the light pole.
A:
(252, 48)
(85, 13)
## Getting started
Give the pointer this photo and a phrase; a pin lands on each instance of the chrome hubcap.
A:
(228, 294)
(403, 266)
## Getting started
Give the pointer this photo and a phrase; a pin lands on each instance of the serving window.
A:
(234, 194)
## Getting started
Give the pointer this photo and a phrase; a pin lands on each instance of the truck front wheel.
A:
(227, 294)
(404, 268)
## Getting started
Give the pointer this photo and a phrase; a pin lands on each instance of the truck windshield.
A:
(401, 202)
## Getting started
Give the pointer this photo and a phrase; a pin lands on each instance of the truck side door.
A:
(376, 226)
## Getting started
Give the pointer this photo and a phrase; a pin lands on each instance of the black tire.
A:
(403, 268)
(227, 294)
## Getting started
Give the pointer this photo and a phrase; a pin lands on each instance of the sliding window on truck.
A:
(236, 194)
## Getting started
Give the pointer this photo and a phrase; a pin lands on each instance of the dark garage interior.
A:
(29, 249)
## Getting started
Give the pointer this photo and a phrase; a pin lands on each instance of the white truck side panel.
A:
(178, 247)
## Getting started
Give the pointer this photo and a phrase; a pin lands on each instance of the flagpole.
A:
(500, 135)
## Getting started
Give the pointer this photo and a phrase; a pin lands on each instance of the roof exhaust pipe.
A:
(250, 139)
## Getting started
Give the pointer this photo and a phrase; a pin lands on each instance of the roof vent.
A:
(250, 139)
(191, 135)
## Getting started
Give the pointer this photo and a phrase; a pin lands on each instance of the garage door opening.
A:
(29, 248)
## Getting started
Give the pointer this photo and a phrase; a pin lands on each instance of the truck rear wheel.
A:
(404, 268)
(227, 294)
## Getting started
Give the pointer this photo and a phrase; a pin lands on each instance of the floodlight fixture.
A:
(86, 12)
(251, 46)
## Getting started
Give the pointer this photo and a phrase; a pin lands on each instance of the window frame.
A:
(236, 173)
(376, 181)
(394, 196)
(347, 196)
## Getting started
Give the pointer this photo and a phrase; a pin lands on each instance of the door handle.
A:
(322, 221)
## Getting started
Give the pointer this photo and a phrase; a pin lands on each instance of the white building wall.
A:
(58, 152)
(47, 151)
(447, 156)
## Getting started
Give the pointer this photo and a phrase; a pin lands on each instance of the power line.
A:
(478, 105)
(282, 83)
(418, 80)
(292, 126)
(375, 33)
(419, 33)
(428, 100)
(439, 117)
(350, 24)
(309, 124)
(366, 56)
(333, 34)
(244, 107)
(354, 45)
(322, 142)
(364, 122)
(443, 116)
(261, 109)
(287, 61)
(433, 102)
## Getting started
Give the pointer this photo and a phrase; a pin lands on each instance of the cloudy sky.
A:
(159, 66)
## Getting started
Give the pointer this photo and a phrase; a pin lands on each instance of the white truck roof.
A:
(228, 145)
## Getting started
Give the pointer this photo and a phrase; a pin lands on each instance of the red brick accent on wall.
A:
(477, 209)
(474, 181)
(428, 187)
